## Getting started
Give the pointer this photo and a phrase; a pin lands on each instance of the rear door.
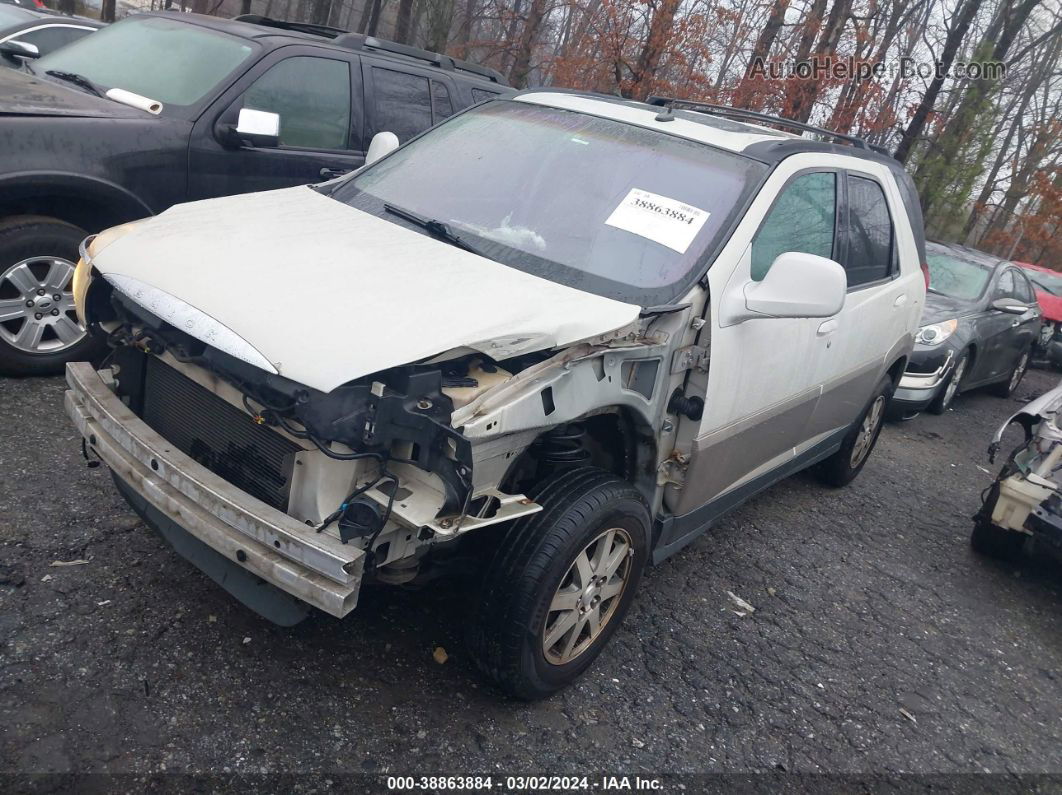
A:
(318, 96)
(405, 100)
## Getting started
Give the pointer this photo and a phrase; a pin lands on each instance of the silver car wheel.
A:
(587, 596)
(867, 431)
(37, 306)
(953, 383)
(1019, 371)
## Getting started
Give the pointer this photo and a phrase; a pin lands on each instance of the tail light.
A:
(925, 273)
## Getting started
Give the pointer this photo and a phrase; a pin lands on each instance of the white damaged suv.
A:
(547, 342)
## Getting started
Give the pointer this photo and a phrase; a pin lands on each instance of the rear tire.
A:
(841, 468)
(37, 255)
(1006, 389)
(560, 583)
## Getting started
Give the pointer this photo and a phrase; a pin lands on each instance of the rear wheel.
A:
(560, 583)
(950, 388)
(1010, 386)
(841, 468)
(39, 331)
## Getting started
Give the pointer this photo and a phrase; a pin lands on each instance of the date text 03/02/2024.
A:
(523, 783)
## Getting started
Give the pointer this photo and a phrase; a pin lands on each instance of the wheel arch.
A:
(87, 202)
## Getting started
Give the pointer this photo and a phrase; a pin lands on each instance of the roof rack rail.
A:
(359, 41)
(751, 115)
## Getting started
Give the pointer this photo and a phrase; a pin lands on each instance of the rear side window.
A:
(312, 97)
(478, 95)
(802, 219)
(402, 102)
(870, 234)
(442, 107)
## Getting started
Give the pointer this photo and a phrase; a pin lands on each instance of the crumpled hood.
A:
(22, 94)
(327, 293)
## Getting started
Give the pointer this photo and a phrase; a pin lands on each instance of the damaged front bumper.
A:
(175, 493)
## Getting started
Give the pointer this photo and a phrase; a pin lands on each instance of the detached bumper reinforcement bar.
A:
(314, 567)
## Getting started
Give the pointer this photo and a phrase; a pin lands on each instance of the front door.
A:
(319, 101)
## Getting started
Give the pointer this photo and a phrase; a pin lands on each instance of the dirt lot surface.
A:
(880, 642)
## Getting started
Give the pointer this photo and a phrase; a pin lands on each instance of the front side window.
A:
(1005, 286)
(168, 60)
(312, 97)
(802, 218)
(1024, 290)
(608, 207)
(870, 233)
(52, 37)
(402, 102)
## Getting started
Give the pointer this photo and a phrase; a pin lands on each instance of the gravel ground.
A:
(879, 641)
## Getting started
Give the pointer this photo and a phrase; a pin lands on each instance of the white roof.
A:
(632, 113)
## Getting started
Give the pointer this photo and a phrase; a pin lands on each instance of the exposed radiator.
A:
(218, 435)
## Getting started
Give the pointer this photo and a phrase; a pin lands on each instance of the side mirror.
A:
(382, 144)
(253, 128)
(1012, 306)
(14, 50)
(797, 285)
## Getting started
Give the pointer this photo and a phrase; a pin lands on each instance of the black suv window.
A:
(312, 96)
(441, 105)
(402, 103)
(479, 94)
(870, 235)
(52, 37)
(802, 219)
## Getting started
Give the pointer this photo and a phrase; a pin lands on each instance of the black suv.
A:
(144, 114)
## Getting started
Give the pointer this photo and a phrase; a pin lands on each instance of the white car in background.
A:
(550, 340)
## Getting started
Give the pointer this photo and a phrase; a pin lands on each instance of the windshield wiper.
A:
(77, 80)
(437, 229)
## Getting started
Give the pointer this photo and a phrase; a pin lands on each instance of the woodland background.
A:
(986, 154)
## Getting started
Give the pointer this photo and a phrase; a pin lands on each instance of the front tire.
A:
(39, 332)
(560, 583)
(841, 468)
(950, 388)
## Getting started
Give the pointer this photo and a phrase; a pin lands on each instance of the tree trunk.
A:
(404, 21)
(660, 30)
(749, 90)
(963, 17)
(464, 30)
(522, 60)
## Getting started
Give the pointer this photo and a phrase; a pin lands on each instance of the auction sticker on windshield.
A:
(660, 219)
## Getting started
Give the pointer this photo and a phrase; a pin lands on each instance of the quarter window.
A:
(802, 219)
(312, 97)
(870, 235)
(442, 107)
(403, 103)
(478, 94)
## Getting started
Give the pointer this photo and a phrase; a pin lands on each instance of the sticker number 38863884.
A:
(668, 222)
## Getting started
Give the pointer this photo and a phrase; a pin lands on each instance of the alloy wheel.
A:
(37, 306)
(867, 431)
(953, 383)
(587, 596)
(1019, 371)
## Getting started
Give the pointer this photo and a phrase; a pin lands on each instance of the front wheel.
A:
(841, 468)
(950, 388)
(560, 583)
(39, 331)
(1007, 388)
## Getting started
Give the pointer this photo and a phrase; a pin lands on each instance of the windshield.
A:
(603, 206)
(956, 278)
(1048, 282)
(167, 60)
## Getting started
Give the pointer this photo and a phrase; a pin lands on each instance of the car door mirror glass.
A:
(1012, 306)
(796, 285)
(382, 144)
(258, 127)
(19, 49)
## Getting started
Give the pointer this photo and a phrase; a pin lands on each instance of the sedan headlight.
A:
(936, 333)
(90, 247)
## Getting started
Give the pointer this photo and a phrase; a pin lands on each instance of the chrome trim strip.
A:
(926, 380)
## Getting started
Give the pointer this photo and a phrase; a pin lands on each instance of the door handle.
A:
(332, 173)
(828, 327)
(901, 299)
